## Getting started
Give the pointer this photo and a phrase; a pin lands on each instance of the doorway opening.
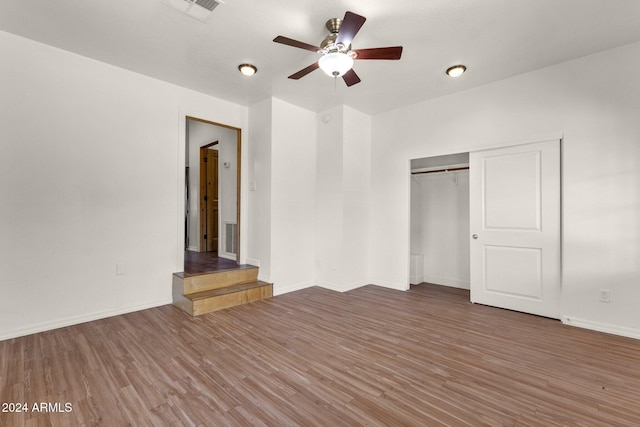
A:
(439, 235)
(212, 196)
(208, 198)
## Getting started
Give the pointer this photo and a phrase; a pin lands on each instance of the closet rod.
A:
(441, 170)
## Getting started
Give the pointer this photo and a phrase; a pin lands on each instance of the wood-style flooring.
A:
(371, 356)
(205, 262)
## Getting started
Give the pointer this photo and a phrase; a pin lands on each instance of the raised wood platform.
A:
(206, 292)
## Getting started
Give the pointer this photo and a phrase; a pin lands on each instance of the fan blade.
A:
(296, 43)
(304, 71)
(350, 77)
(350, 26)
(394, 52)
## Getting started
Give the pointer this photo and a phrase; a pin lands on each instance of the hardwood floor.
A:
(371, 356)
(205, 262)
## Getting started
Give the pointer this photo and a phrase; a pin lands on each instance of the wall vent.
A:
(230, 237)
(198, 9)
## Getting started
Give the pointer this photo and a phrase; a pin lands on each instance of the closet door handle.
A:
(475, 236)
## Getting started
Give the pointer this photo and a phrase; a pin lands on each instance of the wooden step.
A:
(202, 293)
(209, 300)
(219, 279)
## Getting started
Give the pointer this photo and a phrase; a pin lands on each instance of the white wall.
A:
(356, 187)
(309, 210)
(594, 102)
(91, 175)
(440, 227)
(200, 134)
(227, 187)
(259, 201)
(293, 180)
(282, 206)
(343, 199)
(330, 199)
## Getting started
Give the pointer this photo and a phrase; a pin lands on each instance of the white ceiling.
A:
(495, 39)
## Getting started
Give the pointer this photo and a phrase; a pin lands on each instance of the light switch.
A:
(120, 269)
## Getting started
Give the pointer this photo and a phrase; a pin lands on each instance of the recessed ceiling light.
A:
(247, 69)
(456, 70)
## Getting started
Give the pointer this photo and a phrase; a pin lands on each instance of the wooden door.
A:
(208, 200)
(515, 227)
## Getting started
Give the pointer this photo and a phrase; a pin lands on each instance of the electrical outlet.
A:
(605, 295)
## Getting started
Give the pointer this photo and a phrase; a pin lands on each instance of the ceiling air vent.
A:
(198, 9)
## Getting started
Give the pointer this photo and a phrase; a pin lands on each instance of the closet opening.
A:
(439, 231)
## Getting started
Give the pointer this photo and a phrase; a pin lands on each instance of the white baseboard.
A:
(264, 277)
(390, 285)
(225, 255)
(447, 281)
(75, 320)
(253, 261)
(601, 327)
(414, 280)
(194, 248)
(280, 290)
(341, 287)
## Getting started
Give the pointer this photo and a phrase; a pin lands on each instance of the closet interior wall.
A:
(440, 226)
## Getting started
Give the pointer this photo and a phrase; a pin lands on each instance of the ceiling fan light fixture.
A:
(247, 69)
(335, 64)
(456, 70)
(337, 58)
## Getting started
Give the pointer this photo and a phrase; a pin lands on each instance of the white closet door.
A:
(515, 227)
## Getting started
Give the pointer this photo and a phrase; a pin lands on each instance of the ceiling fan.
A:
(337, 56)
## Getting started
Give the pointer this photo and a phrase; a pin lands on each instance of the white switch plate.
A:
(120, 269)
